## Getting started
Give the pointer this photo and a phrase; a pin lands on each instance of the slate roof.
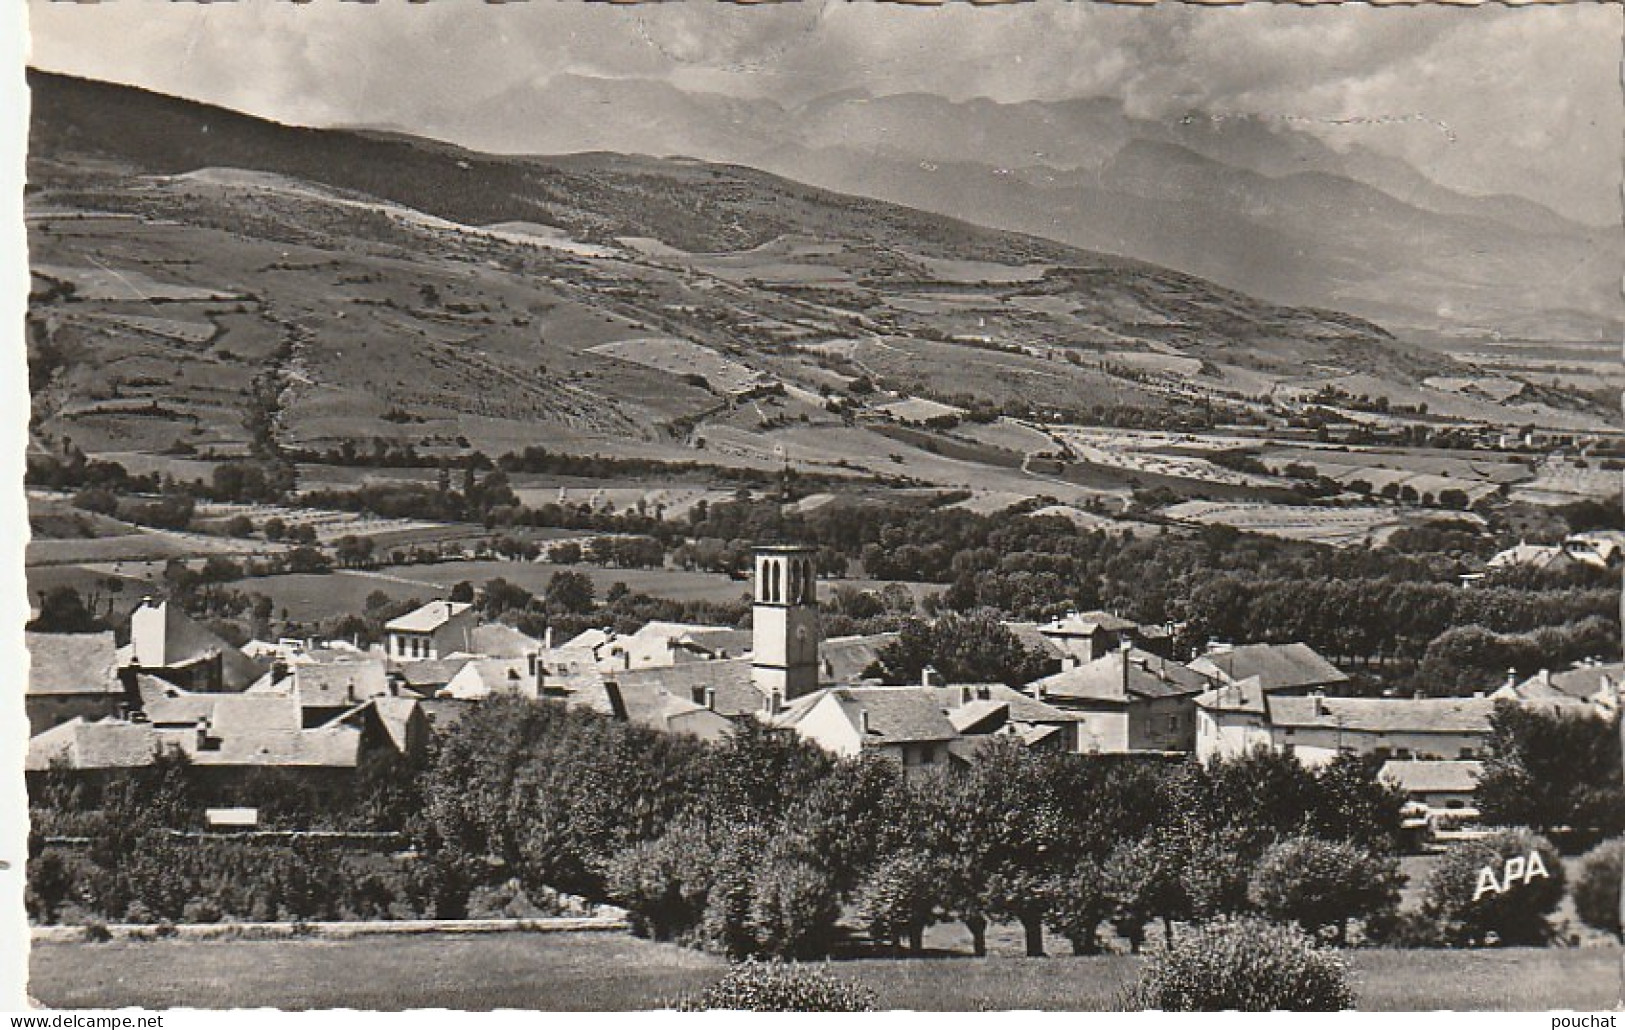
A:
(724, 643)
(496, 640)
(109, 744)
(1102, 679)
(444, 712)
(1429, 776)
(896, 714)
(592, 639)
(736, 692)
(1278, 666)
(428, 618)
(1031, 735)
(484, 677)
(331, 684)
(72, 663)
(1583, 681)
(977, 713)
(1384, 714)
(1021, 707)
(431, 674)
(655, 645)
(645, 704)
(1244, 697)
(163, 703)
(395, 716)
(1033, 639)
(240, 714)
(1087, 624)
(331, 746)
(185, 642)
(846, 659)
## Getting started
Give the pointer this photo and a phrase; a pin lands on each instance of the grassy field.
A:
(604, 972)
(308, 597)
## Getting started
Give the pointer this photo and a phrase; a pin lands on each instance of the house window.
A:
(1468, 752)
(927, 755)
(1287, 732)
(1455, 803)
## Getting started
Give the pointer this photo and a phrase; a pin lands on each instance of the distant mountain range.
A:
(1257, 206)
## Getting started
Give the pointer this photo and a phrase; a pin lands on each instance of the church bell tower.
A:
(784, 622)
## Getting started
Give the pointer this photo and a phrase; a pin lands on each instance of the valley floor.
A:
(603, 972)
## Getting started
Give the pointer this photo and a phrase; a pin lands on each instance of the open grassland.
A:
(1339, 527)
(605, 972)
(314, 596)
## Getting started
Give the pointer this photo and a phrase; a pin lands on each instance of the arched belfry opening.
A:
(784, 620)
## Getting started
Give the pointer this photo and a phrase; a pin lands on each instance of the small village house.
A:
(436, 630)
(1127, 700)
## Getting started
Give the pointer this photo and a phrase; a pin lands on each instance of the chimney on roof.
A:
(1123, 652)
(1546, 677)
(964, 695)
(1478, 694)
(1041, 690)
(531, 662)
(775, 703)
(547, 638)
(711, 698)
(930, 677)
(863, 721)
(1512, 677)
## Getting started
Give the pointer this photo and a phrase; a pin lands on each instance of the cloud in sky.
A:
(1529, 97)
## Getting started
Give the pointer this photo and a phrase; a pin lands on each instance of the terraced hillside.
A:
(199, 272)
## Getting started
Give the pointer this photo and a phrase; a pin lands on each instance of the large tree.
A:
(1318, 883)
(975, 648)
(1552, 769)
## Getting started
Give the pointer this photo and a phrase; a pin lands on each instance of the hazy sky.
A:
(1488, 100)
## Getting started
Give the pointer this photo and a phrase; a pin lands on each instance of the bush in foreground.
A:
(778, 987)
(1247, 965)
(1596, 892)
(1317, 883)
(1474, 901)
